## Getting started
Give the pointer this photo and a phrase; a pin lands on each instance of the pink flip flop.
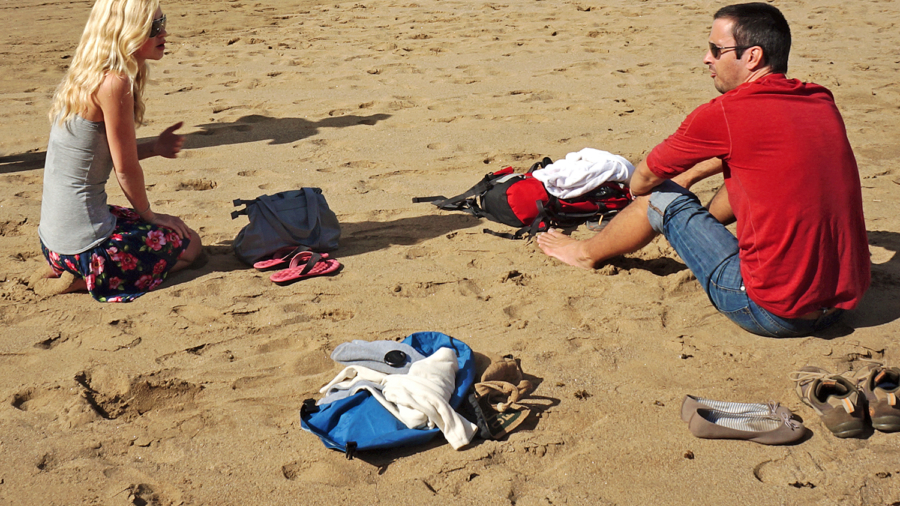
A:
(316, 265)
(283, 256)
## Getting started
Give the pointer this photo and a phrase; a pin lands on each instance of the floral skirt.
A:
(132, 261)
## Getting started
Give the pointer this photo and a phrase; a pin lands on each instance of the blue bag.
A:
(292, 218)
(360, 422)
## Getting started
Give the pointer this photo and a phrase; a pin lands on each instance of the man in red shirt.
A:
(801, 255)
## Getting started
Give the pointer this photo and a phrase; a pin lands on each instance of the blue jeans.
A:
(711, 252)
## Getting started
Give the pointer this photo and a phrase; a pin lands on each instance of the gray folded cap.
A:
(389, 357)
(336, 395)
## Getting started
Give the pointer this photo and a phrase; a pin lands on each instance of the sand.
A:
(190, 395)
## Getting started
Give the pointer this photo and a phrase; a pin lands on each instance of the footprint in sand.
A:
(313, 363)
(22, 180)
(339, 112)
(469, 288)
(526, 157)
(293, 470)
(415, 290)
(46, 462)
(279, 344)
(68, 407)
(334, 474)
(142, 493)
(180, 90)
(395, 173)
(417, 252)
(361, 187)
(362, 164)
(515, 277)
(336, 315)
(20, 400)
(50, 341)
(13, 227)
(27, 195)
(196, 185)
(401, 103)
(517, 316)
(116, 396)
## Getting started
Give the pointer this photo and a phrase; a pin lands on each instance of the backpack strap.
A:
(565, 218)
(517, 235)
(240, 202)
(308, 407)
(540, 165)
(350, 450)
(464, 201)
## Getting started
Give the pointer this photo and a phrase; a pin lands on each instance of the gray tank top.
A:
(74, 214)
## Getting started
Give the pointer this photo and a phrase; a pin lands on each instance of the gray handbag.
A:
(292, 218)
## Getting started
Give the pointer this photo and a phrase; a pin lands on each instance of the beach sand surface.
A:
(190, 395)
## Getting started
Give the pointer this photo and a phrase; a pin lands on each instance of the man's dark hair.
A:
(760, 24)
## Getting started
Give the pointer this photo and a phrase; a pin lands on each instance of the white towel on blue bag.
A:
(419, 398)
(583, 171)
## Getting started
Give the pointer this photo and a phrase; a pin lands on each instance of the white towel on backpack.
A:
(582, 171)
(419, 398)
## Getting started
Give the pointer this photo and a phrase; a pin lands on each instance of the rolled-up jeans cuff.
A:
(660, 198)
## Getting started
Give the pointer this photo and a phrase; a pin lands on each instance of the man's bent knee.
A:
(660, 199)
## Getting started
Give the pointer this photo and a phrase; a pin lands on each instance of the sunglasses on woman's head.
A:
(158, 26)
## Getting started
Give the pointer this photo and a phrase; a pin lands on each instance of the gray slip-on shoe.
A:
(692, 403)
(766, 430)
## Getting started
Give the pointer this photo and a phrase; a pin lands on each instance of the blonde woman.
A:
(115, 253)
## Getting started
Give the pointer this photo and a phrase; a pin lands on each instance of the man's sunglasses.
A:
(717, 51)
(158, 26)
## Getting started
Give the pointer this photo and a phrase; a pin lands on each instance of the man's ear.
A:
(755, 58)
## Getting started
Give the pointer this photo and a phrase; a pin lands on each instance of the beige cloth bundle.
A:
(502, 383)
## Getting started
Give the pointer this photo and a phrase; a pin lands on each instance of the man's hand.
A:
(168, 144)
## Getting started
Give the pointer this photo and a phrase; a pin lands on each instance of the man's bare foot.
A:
(562, 247)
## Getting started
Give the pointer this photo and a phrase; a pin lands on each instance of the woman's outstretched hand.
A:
(168, 144)
(173, 222)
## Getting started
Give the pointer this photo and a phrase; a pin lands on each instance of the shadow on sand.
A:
(879, 306)
(255, 128)
(251, 128)
(356, 239)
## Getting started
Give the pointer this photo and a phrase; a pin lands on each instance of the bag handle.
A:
(312, 207)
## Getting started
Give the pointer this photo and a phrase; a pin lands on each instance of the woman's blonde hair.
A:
(115, 30)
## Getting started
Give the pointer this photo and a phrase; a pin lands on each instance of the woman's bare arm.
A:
(116, 100)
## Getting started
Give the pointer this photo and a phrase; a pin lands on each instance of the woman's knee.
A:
(195, 247)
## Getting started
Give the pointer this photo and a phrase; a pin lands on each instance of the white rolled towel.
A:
(583, 171)
(419, 398)
(427, 388)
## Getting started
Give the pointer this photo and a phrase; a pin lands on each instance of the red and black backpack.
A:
(521, 200)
